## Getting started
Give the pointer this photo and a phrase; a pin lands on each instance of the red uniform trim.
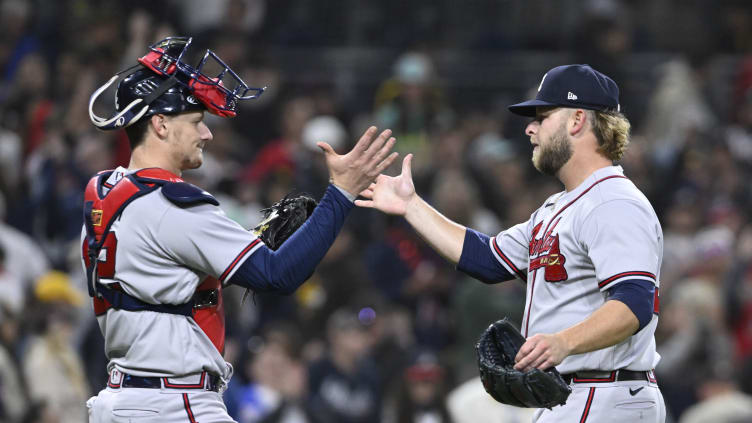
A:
(611, 378)
(589, 402)
(530, 307)
(508, 261)
(188, 410)
(237, 259)
(199, 385)
(158, 173)
(624, 274)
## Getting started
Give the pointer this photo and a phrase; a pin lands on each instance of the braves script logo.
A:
(545, 253)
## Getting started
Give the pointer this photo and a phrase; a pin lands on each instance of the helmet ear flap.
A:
(138, 90)
(129, 114)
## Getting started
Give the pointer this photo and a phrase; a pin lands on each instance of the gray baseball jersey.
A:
(163, 252)
(575, 247)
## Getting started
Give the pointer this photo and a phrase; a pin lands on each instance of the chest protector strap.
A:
(101, 209)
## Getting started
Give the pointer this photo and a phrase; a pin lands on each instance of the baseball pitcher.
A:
(590, 256)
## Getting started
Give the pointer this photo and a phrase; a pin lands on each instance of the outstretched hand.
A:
(391, 194)
(355, 170)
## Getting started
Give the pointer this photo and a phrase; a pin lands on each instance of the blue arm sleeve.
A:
(284, 270)
(637, 294)
(478, 261)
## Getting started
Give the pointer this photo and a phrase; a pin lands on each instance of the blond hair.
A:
(611, 129)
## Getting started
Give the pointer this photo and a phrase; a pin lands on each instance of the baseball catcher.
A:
(497, 348)
(158, 251)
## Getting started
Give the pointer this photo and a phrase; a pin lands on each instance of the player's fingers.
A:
(525, 349)
(539, 362)
(385, 164)
(383, 151)
(365, 140)
(406, 166)
(377, 143)
(367, 193)
(325, 147)
(546, 364)
(364, 203)
(527, 360)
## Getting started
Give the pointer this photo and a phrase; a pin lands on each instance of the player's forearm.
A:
(444, 235)
(284, 270)
(611, 324)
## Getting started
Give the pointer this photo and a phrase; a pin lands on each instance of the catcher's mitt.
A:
(283, 218)
(497, 347)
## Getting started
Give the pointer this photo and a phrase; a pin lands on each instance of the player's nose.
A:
(205, 132)
(531, 128)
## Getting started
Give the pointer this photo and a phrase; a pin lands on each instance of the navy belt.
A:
(606, 376)
(207, 382)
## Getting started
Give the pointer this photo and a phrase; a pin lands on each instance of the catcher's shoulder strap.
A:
(184, 194)
(106, 196)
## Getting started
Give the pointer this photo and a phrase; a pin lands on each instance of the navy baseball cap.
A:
(574, 86)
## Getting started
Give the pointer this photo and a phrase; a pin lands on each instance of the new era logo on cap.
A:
(594, 91)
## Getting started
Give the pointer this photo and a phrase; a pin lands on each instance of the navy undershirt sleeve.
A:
(637, 294)
(284, 270)
(478, 261)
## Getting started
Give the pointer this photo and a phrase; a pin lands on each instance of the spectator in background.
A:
(720, 401)
(283, 159)
(412, 103)
(24, 257)
(345, 386)
(14, 394)
(420, 396)
(682, 220)
(676, 109)
(738, 134)
(692, 340)
(51, 362)
(277, 380)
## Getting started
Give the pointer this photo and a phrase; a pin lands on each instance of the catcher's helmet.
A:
(143, 82)
(164, 83)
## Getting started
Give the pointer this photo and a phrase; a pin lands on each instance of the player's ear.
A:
(577, 122)
(158, 123)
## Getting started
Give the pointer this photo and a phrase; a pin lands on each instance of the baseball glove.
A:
(283, 218)
(497, 347)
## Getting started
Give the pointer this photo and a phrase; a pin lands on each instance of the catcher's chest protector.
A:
(103, 204)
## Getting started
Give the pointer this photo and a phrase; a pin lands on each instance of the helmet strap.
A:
(161, 89)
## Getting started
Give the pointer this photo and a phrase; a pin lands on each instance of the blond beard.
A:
(550, 158)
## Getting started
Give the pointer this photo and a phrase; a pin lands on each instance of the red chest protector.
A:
(102, 208)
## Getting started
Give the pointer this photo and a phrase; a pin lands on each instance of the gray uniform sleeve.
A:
(511, 248)
(624, 241)
(203, 238)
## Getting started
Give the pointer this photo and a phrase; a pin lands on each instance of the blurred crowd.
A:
(384, 330)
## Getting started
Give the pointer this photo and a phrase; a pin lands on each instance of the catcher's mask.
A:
(163, 83)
